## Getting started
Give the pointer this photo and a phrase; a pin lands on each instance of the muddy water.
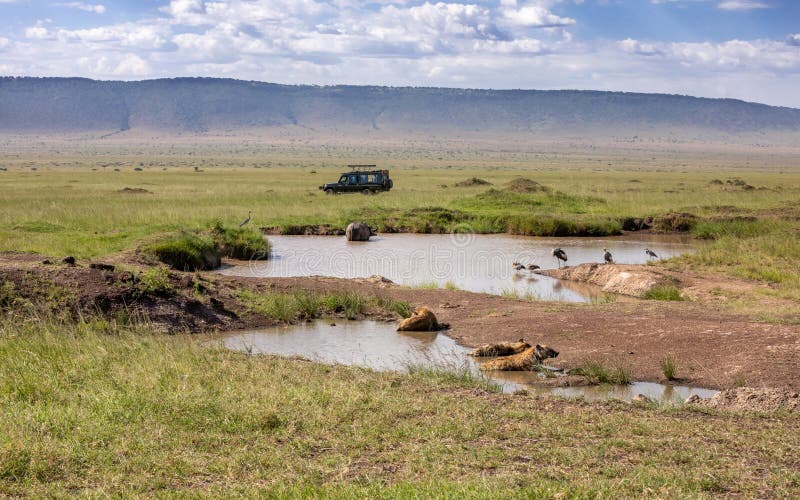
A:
(477, 263)
(377, 345)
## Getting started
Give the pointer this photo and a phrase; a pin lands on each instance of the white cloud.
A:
(537, 16)
(742, 5)
(37, 33)
(96, 8)
(475, 43)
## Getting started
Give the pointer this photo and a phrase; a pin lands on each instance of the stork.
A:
(607, 256)
(560, 255)
(247, 220)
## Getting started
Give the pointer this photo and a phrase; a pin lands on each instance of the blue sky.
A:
(747, 49)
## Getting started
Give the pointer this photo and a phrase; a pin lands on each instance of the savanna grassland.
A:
(97, 200)
(106, 406)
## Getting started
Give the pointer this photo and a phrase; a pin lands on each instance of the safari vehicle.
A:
(365, 179)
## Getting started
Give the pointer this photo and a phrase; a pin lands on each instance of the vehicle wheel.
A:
(329, 191)
(366, 192)
(390, 184)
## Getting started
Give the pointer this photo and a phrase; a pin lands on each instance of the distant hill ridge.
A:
(208, 104)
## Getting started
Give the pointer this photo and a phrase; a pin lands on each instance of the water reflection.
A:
(477, 263)
(376, 345)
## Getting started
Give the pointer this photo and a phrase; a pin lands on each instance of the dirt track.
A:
(713, 348)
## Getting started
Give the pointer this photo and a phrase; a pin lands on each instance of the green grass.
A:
(600, 373)
(240, 242)
(669, 367)
(130, 413)
(753, 233)
(292, 306)
(186, 251)
(663, 292)
(155, 281)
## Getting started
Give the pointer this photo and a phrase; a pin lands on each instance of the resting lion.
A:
(500, 349)
(423, 320)
(526, 360)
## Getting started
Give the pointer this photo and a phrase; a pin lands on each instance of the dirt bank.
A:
(630, 280)
(712, 347)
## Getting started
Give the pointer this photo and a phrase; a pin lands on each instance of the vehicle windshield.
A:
(343, 179)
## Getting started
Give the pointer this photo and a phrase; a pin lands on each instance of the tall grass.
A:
(306, 304)
(669, 367)
(597, 372)
(186, 251)
(663, 292)
(115, 410)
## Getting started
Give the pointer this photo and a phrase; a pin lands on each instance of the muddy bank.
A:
(710, 346)
(633, 280)
(752, 399)
(171, 301)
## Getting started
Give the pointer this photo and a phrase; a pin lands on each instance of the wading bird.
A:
(559, 255)
(650, 254)
(607, 256)
(532, 267)
(517, 266)
(247, 220)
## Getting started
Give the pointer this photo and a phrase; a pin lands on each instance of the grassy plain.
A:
(104, 409)
(75, 201)
(127, 412)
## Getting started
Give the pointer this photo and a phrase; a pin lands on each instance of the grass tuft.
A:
(240, 242)
(663, 292)
(599, 373)
(669, 367)
(186, 251)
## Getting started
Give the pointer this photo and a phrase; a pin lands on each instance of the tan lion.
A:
(526, 360)
(500, 349)
(423, 320)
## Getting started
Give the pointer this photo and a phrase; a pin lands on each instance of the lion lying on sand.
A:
(500, 349)
(528, 359)
(423, 320)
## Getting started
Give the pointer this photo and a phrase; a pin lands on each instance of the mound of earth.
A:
(635, 281)
(523, 185)
(752, 399)
(473, 181)
(674, 222)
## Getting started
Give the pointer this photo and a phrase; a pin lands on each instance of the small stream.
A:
(378, 346)
(472, 262)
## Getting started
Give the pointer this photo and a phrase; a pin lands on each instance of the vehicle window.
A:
(343, 179)
(372, 178)
(362, 179)
(353, 179)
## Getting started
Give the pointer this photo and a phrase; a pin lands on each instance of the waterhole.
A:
(378, 346)
(476, 263)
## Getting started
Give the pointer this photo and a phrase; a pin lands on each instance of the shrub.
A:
(186, 251)
(155, 281)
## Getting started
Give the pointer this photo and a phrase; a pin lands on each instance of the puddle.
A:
(378, 346)
(476, 263)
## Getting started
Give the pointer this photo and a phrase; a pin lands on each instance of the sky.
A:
(744, 49)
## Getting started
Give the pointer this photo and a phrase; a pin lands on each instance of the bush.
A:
(155, 281)
(186, 251)
(240, 242)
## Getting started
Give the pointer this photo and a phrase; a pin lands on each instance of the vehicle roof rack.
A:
(357, 167)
